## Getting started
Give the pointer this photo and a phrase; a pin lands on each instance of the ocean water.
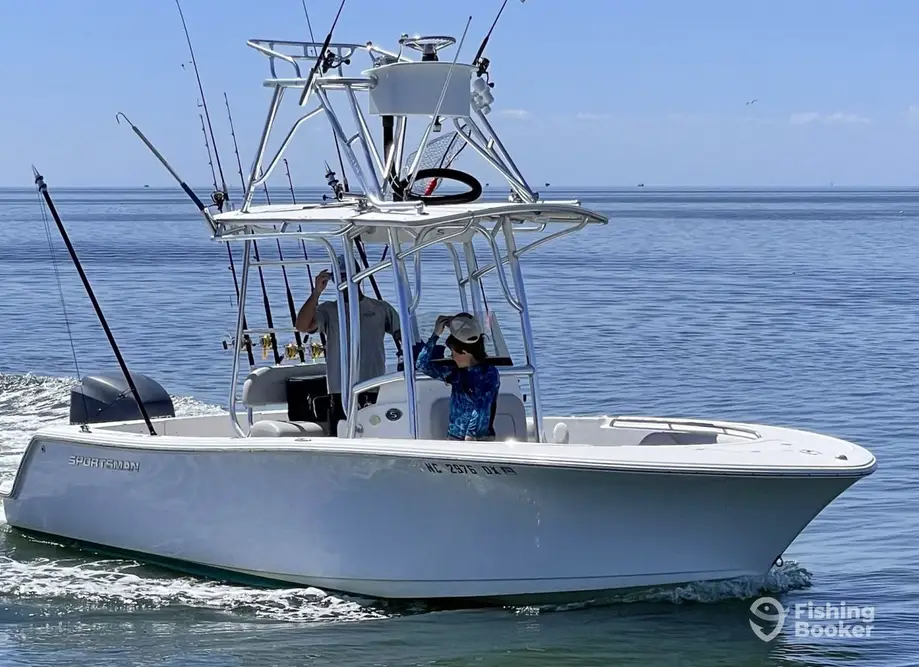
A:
(793, 307)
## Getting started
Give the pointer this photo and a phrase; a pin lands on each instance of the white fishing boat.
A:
(554, 508)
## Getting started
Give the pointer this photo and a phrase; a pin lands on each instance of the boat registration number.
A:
(468, 469)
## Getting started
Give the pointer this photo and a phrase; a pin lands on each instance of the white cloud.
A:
(588, 115)
(516, 114)
(808, 117)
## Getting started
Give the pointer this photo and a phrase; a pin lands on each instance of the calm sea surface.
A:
(789, 307)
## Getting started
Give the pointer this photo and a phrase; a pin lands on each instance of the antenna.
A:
(416, 163)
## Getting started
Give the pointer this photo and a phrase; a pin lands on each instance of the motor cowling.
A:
(107, 397)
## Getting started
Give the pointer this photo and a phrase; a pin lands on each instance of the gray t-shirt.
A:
(378, 318)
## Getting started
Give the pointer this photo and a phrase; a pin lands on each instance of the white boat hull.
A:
(413, 525)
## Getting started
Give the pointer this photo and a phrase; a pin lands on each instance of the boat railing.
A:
(679, 424)
(277, 221)
(469, 117)
(423, 238)
(482, 144)
(399, 88)
(242, 330)
(340, 52)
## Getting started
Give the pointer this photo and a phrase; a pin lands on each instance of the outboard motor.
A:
(107, 397)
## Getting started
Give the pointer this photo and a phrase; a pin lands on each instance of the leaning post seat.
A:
(297, 386)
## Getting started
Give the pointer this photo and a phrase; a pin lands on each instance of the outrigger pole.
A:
(43, 189)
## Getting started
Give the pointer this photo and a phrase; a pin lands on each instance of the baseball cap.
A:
(464, 328)
(342, 264)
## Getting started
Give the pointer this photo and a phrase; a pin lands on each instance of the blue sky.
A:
(592, 92)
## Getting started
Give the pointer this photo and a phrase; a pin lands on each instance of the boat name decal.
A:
(107, 464)
(467, 469)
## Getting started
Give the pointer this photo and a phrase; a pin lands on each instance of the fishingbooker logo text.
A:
(811, 619)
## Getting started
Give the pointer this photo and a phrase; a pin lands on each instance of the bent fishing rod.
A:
(43, 189)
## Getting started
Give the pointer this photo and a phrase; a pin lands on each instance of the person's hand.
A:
(322, 280)
(441, 324)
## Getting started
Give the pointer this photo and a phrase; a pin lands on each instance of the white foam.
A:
(79, 586)
(780, 579)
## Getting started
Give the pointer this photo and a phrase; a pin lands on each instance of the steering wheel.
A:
(428, 45)
(473, 193)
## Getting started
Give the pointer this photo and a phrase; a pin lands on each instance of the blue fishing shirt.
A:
(474, 390)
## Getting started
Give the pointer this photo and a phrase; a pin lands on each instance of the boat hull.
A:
(412, 527)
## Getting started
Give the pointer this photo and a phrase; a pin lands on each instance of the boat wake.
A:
(51, 580)
(790, 576)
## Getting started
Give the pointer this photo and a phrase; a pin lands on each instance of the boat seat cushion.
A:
(678, 438)
(268, 385)
(510, 418)
(272, 428)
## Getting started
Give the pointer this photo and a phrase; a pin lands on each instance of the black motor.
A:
(107, 397)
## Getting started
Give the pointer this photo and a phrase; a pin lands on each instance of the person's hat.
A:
(342, 266)
(465, 328)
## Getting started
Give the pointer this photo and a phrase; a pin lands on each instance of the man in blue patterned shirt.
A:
(474, 381)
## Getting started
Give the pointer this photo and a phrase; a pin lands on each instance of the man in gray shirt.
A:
(377, 318)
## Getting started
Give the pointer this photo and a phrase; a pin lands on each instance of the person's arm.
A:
(392, 326)
(306, 318)
(483, 395)
(424, 363)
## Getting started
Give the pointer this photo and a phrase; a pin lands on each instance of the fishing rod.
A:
(220, 201)
(261, 274)
(341, 162)
(43, 189)
(159, 156)
(483, 63)
(321, 60)
(210, 127)
(293, 198)
(290, 297)
(210, 160)
(198, 203)
(223, 185)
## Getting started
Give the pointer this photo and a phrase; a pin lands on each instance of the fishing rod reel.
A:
(482, 70)
(331, 60)
(338, 190)
(219, 199)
